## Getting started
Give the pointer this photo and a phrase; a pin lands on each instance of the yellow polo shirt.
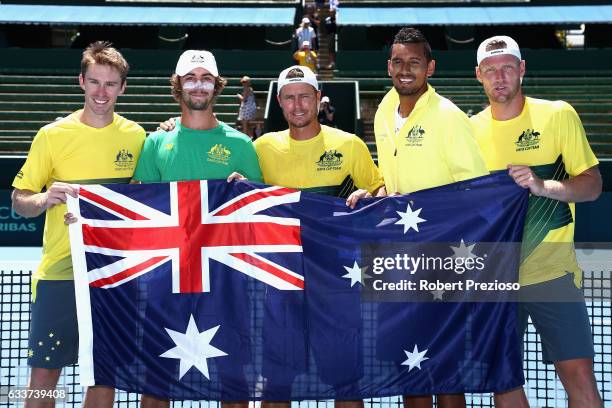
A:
(435, 146)
(547, 136)
(69, 151)
(332, 163)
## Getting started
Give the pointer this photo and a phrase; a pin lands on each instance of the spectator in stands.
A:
(333, 5)
(258, 131)
(331, 29)
(305, 33)
(248, 107)
(313, 16)
(306, 57)
(89, 145)
(423, 141)
(326, 112)
(544, 147)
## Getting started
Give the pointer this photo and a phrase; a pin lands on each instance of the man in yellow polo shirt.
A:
(423, 140)
(306, 57)
(317, 158)
(544, 147)
(92, 145)
(310, 156)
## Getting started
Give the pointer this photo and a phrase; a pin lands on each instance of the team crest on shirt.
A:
(124, 159)
(219, 154)
(330, 160)
(528, 140)
(415, 136)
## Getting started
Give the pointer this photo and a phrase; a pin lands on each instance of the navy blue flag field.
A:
(239, 291)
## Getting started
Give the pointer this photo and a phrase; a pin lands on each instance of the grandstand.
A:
(41, 42)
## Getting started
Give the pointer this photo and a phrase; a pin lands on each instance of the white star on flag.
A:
(410, 219)
(356, 274)
(415, 358)
(193, 348)
(463, 251)
(437, 294)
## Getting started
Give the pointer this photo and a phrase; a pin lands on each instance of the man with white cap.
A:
(326, 112)
(310, 156)
(313, 158)
(199, 147)
(544, 147)
(320, 159)
(305, 33)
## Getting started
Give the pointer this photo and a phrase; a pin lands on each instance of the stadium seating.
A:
(28, 102)
(590, 96)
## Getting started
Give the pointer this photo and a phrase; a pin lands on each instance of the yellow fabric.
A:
(70, 151)
(306, 59)
(323, 161)
(434, 147)
(543, 131)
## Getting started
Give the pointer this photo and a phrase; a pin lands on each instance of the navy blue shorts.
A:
(54, 332)
(561, 319)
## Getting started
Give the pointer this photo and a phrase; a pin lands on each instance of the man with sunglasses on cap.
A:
(321, 159)
(543, 146)
(310, 156)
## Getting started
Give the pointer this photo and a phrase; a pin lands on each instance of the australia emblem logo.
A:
(528, 140)
(415, 136)
(330, 160)
(124, 160)
(219, 154)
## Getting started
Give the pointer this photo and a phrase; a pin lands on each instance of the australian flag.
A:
(239, 291)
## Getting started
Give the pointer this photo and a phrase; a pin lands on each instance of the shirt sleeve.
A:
(249, 167)
(573, 144)
(147, 170)
(463, 156)
(38, 167)
(364, 172)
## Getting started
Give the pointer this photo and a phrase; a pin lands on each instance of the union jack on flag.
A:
(190, 235)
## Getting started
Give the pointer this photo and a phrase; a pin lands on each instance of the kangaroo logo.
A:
(330, 160)
(219, 154)
(124, 159)
(415, 136)
(529, 139)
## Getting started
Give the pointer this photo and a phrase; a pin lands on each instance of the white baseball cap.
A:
(325, 99)
(511, 48)
(309, 77)
(306, 20)
(192, 59)
(306, 44)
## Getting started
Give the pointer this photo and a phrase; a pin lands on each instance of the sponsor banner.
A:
(16, 230)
